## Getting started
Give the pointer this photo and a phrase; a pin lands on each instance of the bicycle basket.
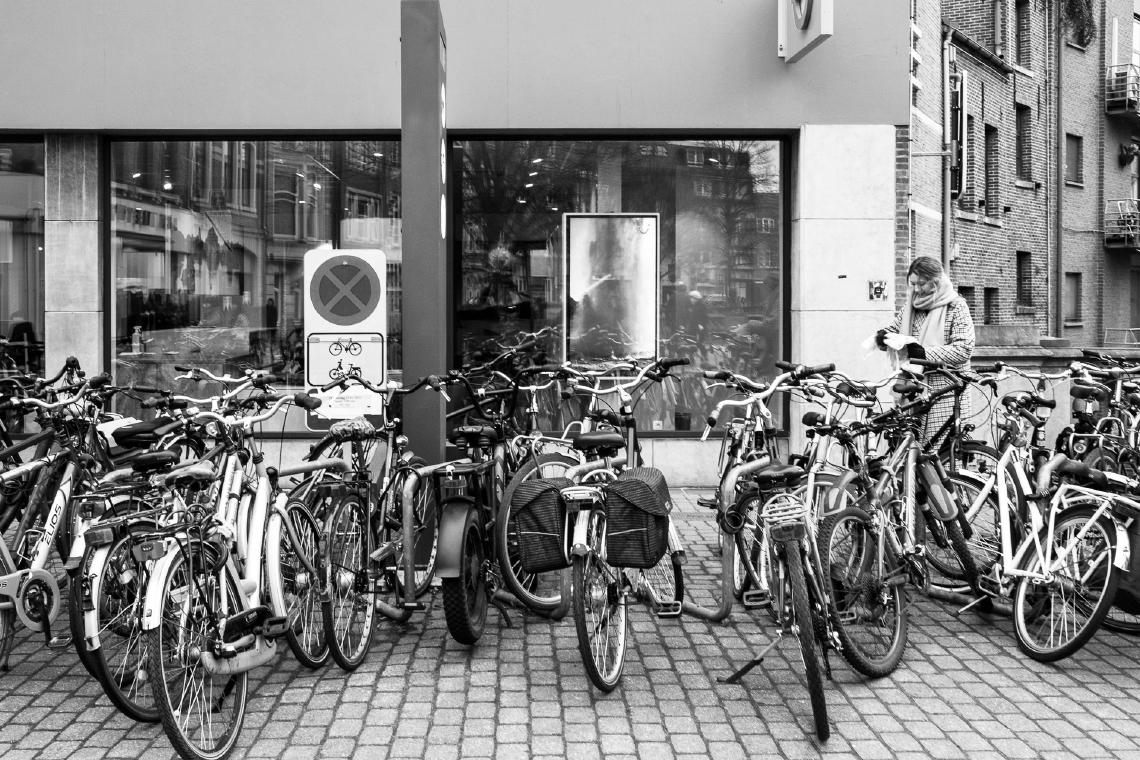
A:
(637, 521)
(540, 524)
(785, 517)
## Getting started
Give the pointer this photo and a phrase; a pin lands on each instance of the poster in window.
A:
(610, 262)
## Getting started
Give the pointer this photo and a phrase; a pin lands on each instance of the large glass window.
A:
(22, 256)
(208, 242)
(718, 207)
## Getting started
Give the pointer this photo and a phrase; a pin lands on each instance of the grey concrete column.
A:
(73, 271)
(427, 270)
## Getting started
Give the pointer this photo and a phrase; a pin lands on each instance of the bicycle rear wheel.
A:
(348, 613)
(466, 598)
(540, 592)
(202, 713)
(294, 590)
(801, 608)
(866, 591)
(746, 570)
(1053, 620)
(598, 603)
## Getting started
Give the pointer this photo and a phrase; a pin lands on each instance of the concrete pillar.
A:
(73, 272)
(843, 237)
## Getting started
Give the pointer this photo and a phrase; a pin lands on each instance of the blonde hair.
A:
(926, 267)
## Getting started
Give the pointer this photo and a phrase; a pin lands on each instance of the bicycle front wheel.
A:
(423, 532)
(1054, 619)
(866, 591)
(598, 604)
(465, 599)
(348, 613)
(202, 713)
(803, 621)
(294, 590)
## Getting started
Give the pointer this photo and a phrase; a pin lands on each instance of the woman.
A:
(939, 329)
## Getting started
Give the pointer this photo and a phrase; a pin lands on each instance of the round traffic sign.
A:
(345, 290)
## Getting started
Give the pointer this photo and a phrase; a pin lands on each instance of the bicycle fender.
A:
(449, 554)
(1122, 557)
(95, 579)
(838, 496)
(152, 606)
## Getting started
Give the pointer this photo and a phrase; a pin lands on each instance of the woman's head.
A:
(924, 275)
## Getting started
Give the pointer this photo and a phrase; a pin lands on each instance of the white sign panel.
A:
(346, 324)
(801, 25)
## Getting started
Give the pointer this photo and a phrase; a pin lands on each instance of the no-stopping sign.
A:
(345, 289)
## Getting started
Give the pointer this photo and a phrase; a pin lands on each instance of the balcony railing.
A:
(1122, 224)
(1122, 89)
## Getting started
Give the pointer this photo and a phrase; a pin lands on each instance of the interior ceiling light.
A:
(136, 175)
(536, 161)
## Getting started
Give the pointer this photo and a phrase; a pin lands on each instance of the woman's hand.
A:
(897, 342)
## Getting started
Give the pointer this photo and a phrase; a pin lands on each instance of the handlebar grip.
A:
(433, 382)
(786, 366)
(338, 383)
(813, 419)
(305, 401)
(526, 345)
(540, 368)
(816, 370)
(182, 368)
(720, 374)
(264, 380)
(152, 402)
(99, 380)
(143, 389)
(995, 367)
(926, 363)
(676, 361)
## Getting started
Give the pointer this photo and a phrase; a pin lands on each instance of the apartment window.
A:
(992, 200)
(967, 293)
(968, 197)
(1024, 143)
(1074, 159)
(990, 306)
(1072, 297)
(1024, 278)
(1022, 21)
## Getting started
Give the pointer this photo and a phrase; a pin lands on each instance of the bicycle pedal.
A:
(757, 598)
(414, 606)
(669, 610)
(244, 622)
(384, 553)
(59, 642)
(989, 585)
(274, 627)
(708, 502)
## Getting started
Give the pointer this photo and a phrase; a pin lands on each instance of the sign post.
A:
(346, 322)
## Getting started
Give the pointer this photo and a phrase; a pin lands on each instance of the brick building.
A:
(1040, 234)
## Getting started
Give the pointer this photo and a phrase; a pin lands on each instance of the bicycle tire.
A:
(748, 540)
(123, 671)
(1122, 622)
(858, 591)
(75, 623)
(7, 617)
(347, 610)
(466, 598)
(665, 581)
(1099, 458)
(985, 522)
(801, 607)
(540, 592)
(424, 533)
(170, 644)
(601, 612)
(982, 459)
(294, 592)
(1031, 599)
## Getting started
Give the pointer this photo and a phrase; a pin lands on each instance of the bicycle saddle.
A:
(1087, 392)
(153, 461)
(199, 472)
(782, 474)
(471, 434)
(605, 439)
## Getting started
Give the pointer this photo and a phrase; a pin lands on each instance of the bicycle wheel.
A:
(77, 588)
(347, 611)
(1122, 622)
(7, 617)
(984, 520)
(465, 599)
(540, 592)
(1053, 620)
(982, 460)
(801, 608)
(948, 552)
(867, 583)
(746, 569)
(1100, 458)
(665, 581)
(599, 606)
(294, 590)
(122, 662)
(424, 533)
(202, 713)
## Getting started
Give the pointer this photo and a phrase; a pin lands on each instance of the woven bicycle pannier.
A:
(540, 524)
(637, 518)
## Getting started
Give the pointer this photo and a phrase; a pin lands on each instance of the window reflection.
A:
(720, 265)
(22, 256)
(208, 246)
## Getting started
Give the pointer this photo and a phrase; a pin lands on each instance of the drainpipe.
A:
(946, 148)
(1059, 180)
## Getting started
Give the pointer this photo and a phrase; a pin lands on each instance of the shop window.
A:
(208, 266)
(719, 264)
(22, 256)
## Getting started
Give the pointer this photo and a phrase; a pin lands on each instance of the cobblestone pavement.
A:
(963, 690)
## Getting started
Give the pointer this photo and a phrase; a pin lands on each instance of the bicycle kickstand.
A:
(739, 674)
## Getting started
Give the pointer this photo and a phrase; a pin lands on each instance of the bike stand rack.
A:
(735, 677)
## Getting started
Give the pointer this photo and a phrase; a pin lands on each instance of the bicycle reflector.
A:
(99, 535)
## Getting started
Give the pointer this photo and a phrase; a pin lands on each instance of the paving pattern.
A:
(963, 690)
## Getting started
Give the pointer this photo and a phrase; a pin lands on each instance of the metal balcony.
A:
(1122, 90)
(1122, 224)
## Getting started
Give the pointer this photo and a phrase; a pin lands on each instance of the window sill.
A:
(965, 215)
(1025, 184)
(1073, 325)
(1074, 183)
(992, 221)
(1075, 46)
(1022, 309)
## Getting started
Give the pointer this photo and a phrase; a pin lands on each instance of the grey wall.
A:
(514, 64)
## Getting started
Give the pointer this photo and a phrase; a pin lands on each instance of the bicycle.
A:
(345, 345)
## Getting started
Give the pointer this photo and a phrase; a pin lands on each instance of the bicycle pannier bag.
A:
(1128, 592)
(637, 518)
(540, 523)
